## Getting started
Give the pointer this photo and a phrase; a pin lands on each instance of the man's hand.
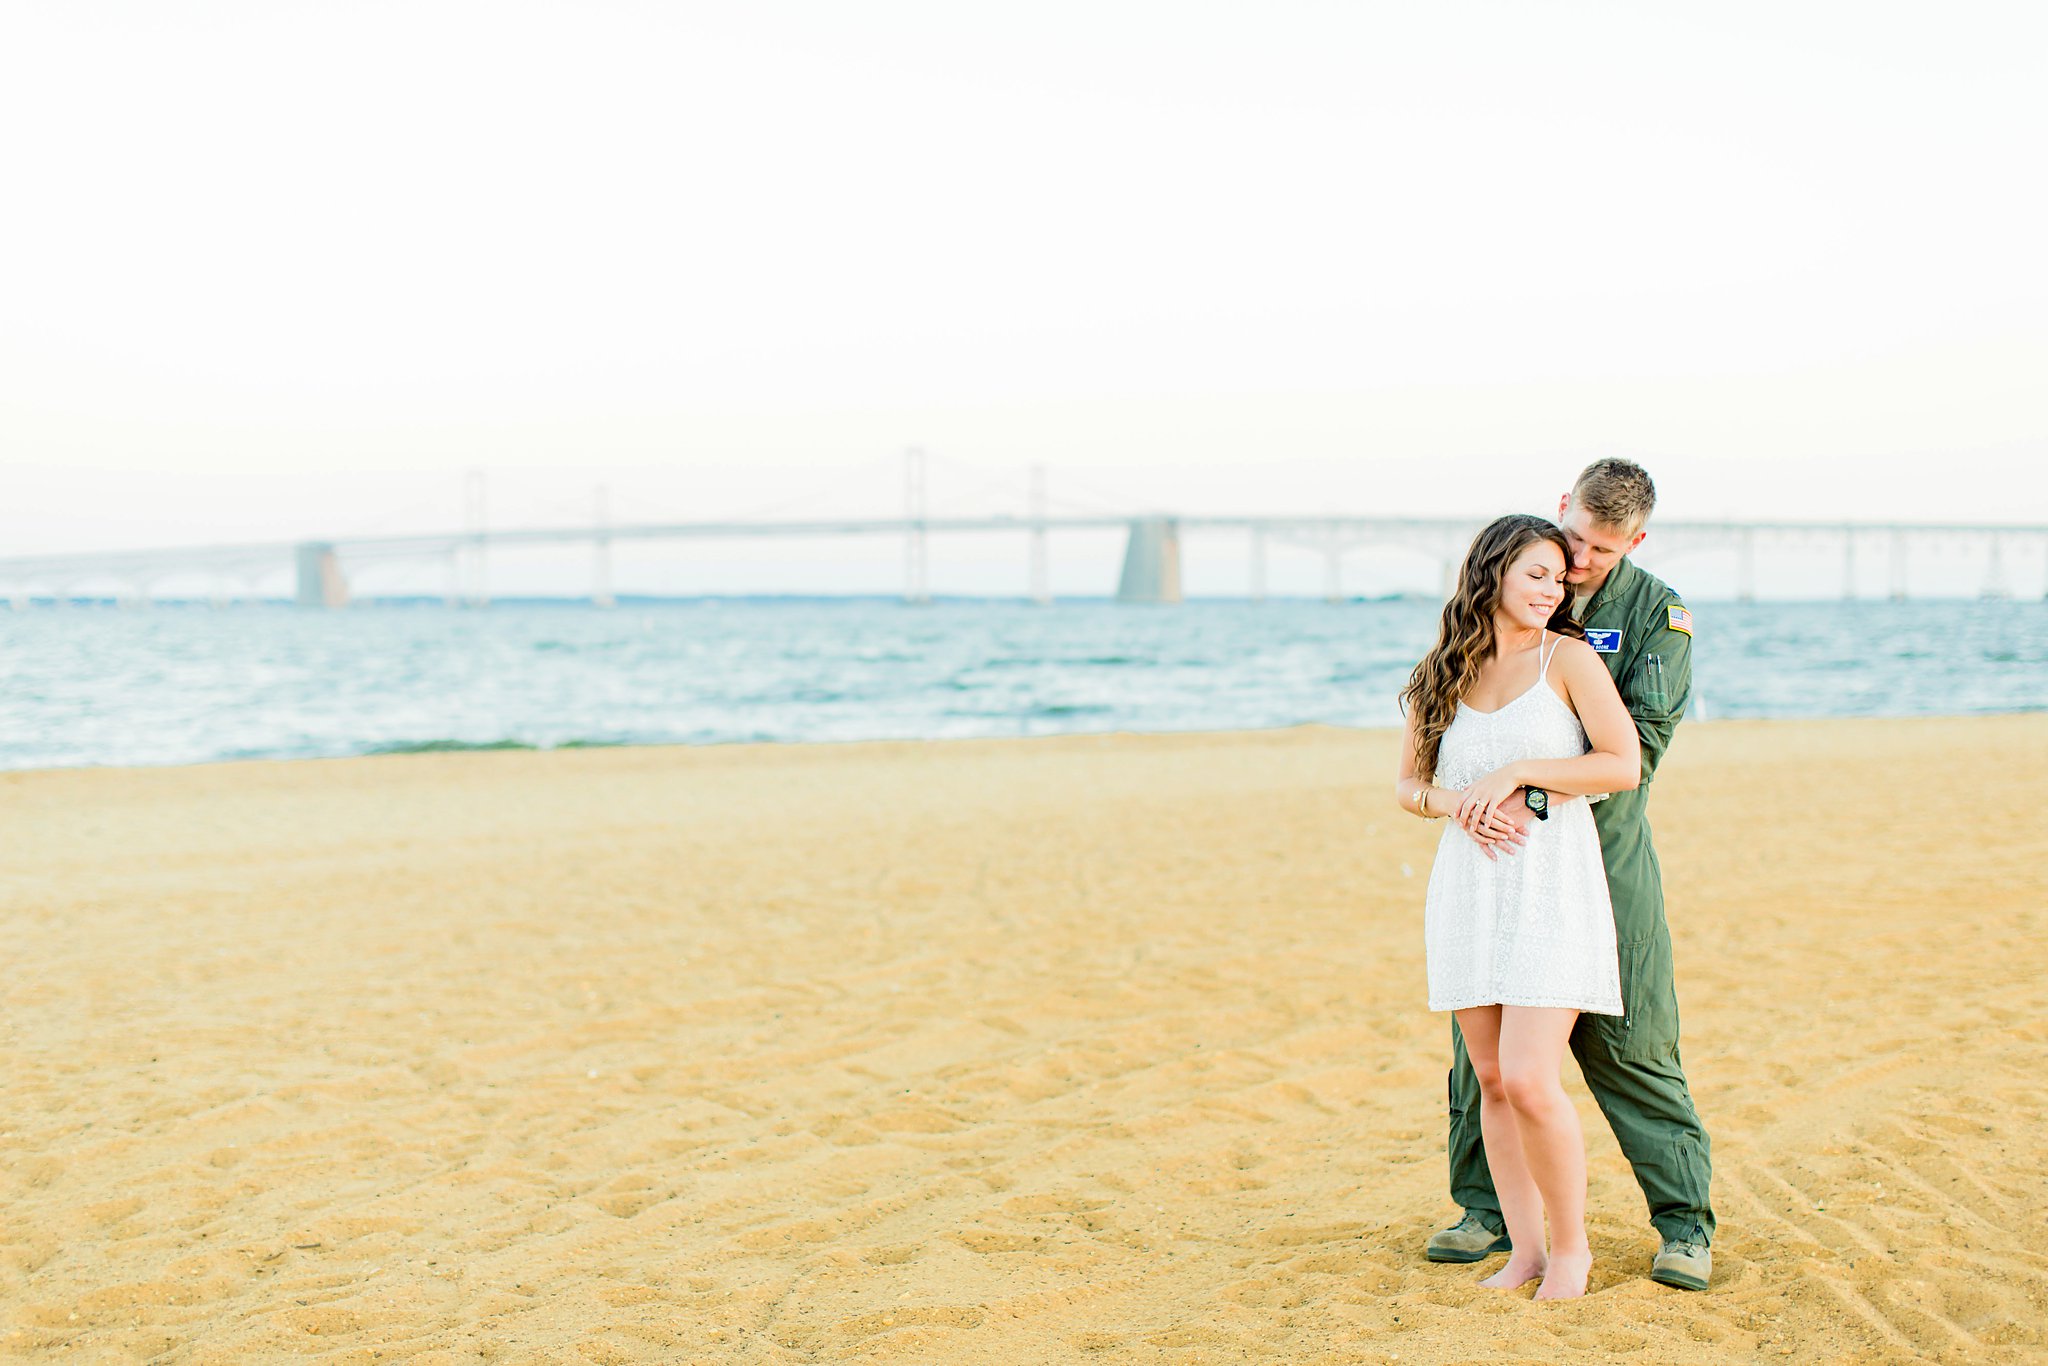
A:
(1505, 829)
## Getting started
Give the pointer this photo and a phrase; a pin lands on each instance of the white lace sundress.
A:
(1536, 927)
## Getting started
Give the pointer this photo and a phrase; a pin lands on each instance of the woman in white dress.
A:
(1520, 933)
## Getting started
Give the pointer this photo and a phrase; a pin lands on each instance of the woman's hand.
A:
(1496, 833)
(1476, 811)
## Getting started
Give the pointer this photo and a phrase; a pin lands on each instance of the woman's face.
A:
(1533, 585)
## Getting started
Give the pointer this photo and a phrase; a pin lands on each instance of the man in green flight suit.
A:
(1630, 1061)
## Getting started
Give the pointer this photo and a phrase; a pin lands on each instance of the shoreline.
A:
(510, 746)
(1088, 1047)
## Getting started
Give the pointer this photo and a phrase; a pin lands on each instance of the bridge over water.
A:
(320, 570)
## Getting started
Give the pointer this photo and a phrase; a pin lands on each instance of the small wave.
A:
(484, 746)
(446, 746)
(820, 696)
(1043, 711)
(1050, 661)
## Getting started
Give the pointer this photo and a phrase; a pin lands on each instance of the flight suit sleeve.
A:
(1659, 684)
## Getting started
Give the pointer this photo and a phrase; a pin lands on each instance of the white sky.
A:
(277, 269)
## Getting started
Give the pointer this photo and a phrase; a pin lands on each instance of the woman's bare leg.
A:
(1532, 1047)
(1521, 1204)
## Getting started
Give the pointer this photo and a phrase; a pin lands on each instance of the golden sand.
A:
(1104, 1049)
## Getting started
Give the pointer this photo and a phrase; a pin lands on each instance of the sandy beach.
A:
(1085, 1049)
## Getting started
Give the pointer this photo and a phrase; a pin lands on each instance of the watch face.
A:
(1538, 799)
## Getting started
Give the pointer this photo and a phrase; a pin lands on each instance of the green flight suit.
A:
(1630, 1061)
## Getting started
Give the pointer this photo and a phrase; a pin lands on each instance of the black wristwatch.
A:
(1539, 802)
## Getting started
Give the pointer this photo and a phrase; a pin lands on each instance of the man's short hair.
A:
(1616, 493)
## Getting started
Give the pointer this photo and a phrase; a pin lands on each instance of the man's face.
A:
(1596, 547)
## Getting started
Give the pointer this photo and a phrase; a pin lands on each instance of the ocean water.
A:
(187, 683)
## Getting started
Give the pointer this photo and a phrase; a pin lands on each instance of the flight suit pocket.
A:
(1654, 691)
(1647, 1028)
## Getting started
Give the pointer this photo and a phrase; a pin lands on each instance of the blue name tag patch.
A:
(1605, 642)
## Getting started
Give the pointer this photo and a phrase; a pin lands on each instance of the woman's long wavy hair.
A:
(1465, 641)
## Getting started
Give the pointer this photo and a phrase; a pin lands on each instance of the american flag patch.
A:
(1679, 619)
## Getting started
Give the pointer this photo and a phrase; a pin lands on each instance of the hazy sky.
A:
(280, 269)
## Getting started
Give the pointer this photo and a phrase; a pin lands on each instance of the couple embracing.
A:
(1533, 724)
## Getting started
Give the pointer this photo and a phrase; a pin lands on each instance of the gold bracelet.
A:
(1422, 801)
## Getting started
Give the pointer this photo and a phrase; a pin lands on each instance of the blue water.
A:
(185, 684)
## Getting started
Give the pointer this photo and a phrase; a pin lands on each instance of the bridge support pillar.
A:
(601, 566)
(1041, 575)
(1994, 572)
(1151, 562)
(320, 579)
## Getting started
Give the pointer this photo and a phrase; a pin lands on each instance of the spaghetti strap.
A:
(1543, 661)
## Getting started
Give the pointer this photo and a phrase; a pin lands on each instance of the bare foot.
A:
(1566, 1279)
(1518, 1271)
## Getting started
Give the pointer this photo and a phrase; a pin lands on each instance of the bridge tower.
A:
(321, 583)
(916, 588)
(601, 566)
(1151, 562)
(1994, 571)
(476, 590)
(1041, 587)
